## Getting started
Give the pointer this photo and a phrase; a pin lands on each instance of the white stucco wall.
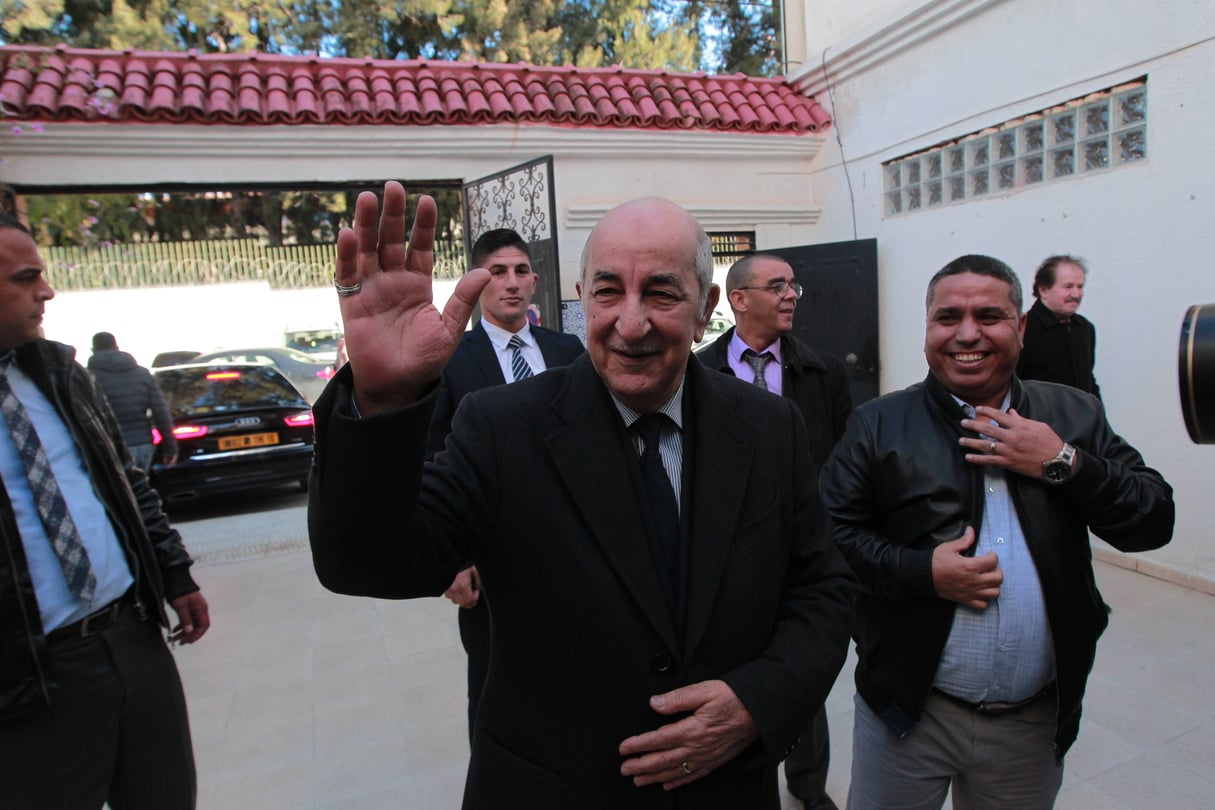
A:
(730, 181)
(830, 23)
(906, 83)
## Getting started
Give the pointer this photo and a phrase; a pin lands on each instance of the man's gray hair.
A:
(703, 261)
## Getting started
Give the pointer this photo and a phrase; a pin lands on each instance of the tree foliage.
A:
(673, 34)
(714, 35)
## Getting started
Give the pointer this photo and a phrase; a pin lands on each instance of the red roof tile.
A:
(72, 84)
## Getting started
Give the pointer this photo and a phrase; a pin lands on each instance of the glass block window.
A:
(1095, 133)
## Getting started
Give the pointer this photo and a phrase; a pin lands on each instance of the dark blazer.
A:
(816, 381)
(475, 366)
(1059, 352)
(537, 483)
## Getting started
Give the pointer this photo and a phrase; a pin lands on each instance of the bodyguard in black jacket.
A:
(91, 705)
(815, 381)
(153, 547)
(908, 489)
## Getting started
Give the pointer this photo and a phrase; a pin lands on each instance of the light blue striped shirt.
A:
(56, 604)
(1004, 653)
(670, 441)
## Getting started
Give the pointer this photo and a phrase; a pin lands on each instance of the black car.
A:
(175, 358)
(307, 372)
(237, 426)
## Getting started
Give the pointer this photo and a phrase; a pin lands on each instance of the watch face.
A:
(1056, 471)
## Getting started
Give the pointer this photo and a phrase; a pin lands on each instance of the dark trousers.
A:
(806, 766)
(116, 730)
(475, 627)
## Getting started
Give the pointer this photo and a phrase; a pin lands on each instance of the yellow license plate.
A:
(248, 440)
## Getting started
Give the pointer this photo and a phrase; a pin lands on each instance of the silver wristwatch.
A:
(1060, 468)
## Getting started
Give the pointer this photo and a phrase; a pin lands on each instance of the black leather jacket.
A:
(898, 486)
(154, 550)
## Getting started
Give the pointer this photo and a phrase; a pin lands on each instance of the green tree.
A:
(750, 38)
(733, 36)
(87, 221)
(390, 29)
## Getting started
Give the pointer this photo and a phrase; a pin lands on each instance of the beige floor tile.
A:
(308, 700)
(1155, 782)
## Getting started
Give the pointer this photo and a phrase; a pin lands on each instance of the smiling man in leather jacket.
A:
(964, 503)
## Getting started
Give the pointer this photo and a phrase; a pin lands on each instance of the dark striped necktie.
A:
(52, 508)
(758, 363)
(518, 365)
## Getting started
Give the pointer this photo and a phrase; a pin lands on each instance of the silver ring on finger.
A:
(993, 446)
(344, 289)
(687, 769)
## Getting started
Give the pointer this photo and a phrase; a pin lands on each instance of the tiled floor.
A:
(303, 699)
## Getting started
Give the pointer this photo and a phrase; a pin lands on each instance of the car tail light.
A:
(326, 373)
(190, 431)
(299, 419)
(223, 375)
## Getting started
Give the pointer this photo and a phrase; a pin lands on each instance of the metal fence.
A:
(172, 264)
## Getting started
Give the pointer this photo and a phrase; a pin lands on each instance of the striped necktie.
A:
(518, 365)
(758, 362)
(52, 508)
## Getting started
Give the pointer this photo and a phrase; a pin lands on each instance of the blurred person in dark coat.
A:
(133, 393)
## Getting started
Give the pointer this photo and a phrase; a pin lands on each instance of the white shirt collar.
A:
(500, 337)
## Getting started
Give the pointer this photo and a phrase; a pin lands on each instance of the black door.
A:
(839, 311)
(521, 198)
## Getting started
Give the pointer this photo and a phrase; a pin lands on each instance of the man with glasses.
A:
(760, 350)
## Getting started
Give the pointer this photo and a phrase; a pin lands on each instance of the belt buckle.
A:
(100, 620)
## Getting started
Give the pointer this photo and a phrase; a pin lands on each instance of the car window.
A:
(312, 340)
(237, 357)
(202, 390)
(299, 357)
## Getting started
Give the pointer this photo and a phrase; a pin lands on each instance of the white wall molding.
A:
(710, 218)
(867, 51)
(276, 152)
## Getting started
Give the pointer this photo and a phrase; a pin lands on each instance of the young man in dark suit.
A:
(759, 349)
(487, 356)
(669, 609)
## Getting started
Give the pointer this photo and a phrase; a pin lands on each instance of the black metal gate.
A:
(521, 198)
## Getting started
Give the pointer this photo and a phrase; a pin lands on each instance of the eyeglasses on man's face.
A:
(780, 287)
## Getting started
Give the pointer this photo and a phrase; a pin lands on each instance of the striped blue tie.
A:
(52, 508)
(518, 365)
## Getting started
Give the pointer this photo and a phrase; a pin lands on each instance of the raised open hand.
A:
(397, 341)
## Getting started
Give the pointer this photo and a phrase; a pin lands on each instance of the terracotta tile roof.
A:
(67, 84)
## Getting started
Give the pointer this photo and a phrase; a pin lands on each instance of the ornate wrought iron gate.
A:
(522, 198)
